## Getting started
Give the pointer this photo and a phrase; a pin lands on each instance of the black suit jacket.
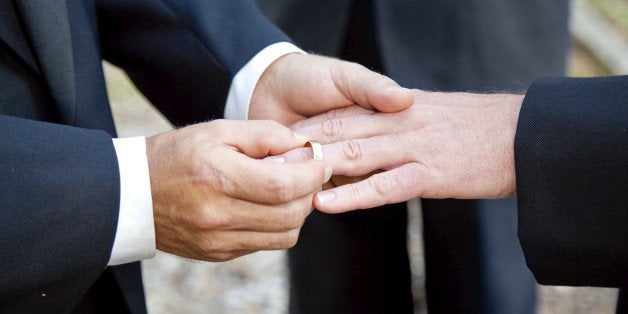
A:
(571, 160)
(59, 189)
(444, 45)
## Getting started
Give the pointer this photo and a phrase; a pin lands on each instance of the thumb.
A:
(372, 90)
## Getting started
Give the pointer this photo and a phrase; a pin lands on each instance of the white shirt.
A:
(135, 235)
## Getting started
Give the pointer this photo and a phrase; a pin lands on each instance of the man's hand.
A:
(215, 199)
(447, 145)
(298, 86)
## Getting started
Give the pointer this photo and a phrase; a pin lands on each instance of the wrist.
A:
(514, 104)
(245, 81)
(268, 90)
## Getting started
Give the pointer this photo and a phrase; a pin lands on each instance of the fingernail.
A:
(277, 159)
(299, 136)
(328, 172)
(324, 197)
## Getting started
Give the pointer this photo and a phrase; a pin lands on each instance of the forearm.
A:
(59, 200)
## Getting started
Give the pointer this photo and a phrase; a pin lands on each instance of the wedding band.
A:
(317, 149)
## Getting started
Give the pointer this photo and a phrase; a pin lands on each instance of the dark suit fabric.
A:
(357, 262)
(571, 153)
(59, 191)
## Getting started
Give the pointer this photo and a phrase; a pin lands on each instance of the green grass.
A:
(616, 11)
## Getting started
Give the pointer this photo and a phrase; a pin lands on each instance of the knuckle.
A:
(209, 249)
(332, 114)
(223, 257)
(270, 124)
(215, 222)
(331, 128)
(437, 187)
(295, 218)
(352, 150)
(293, 238)
(290, 239)
(220, 250)
(282, 190)
(355, 192)
(290, 220)
(219, 124)
(380, 186)
(220, 180)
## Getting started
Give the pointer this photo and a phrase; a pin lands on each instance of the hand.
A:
(297, 86)
(447, 145)
(214, 199)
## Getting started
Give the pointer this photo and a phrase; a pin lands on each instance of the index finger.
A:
(258, 138)
(271, 182)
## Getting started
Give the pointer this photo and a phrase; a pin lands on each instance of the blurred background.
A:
(257, 283)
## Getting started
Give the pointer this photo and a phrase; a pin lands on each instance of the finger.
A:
(300, 154)
(359, 126)
(330, 115)
(257, 241)
(218, 256)
(222, 256)
(393, 186)
(248, 216)
(258, 138)
(369, 89)
(266, 181)
(359, 157)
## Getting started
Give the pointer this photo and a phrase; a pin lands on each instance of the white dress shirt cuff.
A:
(243, 84)
(135, 236)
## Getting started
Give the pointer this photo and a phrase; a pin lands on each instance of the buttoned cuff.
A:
(135, 236)
(243, 84)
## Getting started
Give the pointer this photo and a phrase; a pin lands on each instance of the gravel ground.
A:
(257, 283)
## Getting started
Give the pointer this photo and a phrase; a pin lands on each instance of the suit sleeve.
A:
(183, 54)
(58, 212)
(571, 160)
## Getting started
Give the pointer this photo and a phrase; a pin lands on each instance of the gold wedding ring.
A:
(317, 149)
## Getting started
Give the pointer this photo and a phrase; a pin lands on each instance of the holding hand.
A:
(446, 145)
(215, 199)
(298, 86)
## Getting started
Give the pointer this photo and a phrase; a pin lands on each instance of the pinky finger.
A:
(393, 186)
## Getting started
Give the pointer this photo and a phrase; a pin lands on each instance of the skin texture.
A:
(214, 199)
(218, 192)
(446, 145)
(298, 86)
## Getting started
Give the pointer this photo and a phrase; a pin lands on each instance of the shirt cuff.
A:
(243, 84)
(135, 236)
